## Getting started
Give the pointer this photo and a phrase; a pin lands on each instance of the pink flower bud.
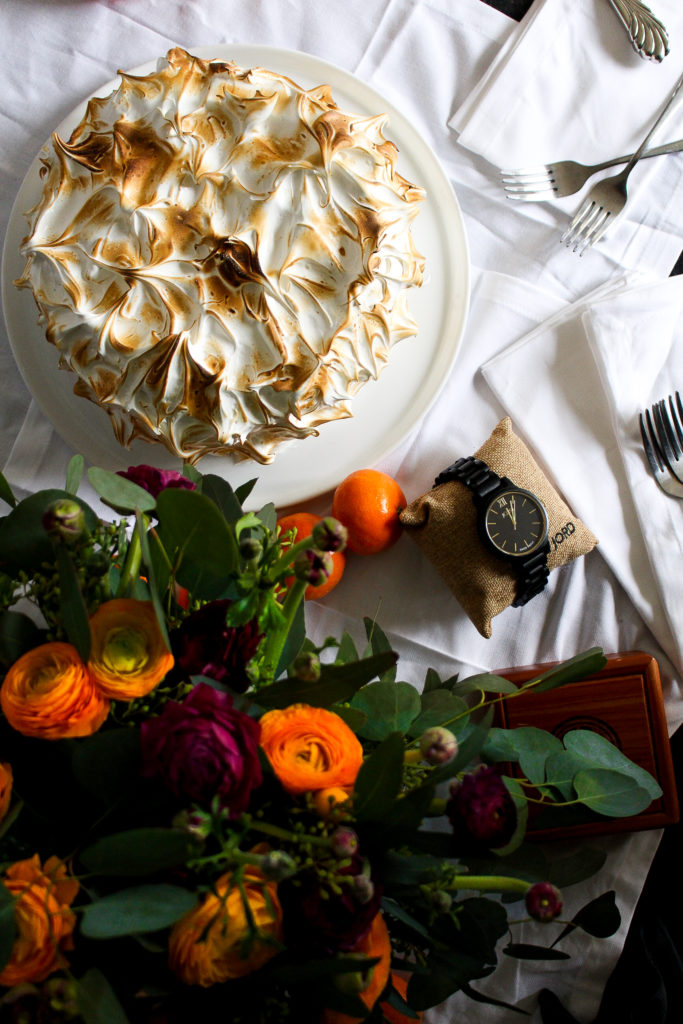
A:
(363, 888)
(64, 520)
(344, 842)
(306, 667)
(313, 567)
(438, 745)
(543, 901)
(329, 535)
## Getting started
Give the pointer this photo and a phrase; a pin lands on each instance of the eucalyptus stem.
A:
(275, 641)
(282, 833)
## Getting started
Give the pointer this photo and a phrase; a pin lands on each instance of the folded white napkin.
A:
(566, 84)
(574, 387)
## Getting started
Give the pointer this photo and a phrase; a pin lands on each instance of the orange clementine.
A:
(400, 983)
(368, 503)
(376, 943)
(303, 523)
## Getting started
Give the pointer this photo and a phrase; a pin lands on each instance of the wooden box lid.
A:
(623, 702)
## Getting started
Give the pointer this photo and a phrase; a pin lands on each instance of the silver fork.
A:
(564, 178)
(607, 198)
(670, 434)
(655, 456)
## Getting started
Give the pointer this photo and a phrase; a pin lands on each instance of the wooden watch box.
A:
(623, 702)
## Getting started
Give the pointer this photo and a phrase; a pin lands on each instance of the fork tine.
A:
(575, 226)
(537, 171)
(649, 450)
(525, 193)
(676, 422)
(665, 435)
(596, 230)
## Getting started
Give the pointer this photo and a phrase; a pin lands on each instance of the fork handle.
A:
(669, 147)
(641, 148)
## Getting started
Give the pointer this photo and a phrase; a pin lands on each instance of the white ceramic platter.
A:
(384, 411)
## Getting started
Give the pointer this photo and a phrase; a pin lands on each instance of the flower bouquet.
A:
(208, 816)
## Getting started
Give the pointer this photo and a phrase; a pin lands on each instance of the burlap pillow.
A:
(444, 524)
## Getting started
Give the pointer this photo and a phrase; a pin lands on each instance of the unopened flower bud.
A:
(438, 745)
(306, 667)
(194, 821)
(543, 901)
(344, 842)
(250, 548)
(441, 900)
(353, 982)
(363, 888)
(329, 535)
(64, 520)
(313, 567)
(481, 811)
(278, 865)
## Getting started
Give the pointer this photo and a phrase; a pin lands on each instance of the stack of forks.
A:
(662, 433)
(605, 200)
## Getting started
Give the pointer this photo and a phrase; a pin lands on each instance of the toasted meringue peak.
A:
(221, 257)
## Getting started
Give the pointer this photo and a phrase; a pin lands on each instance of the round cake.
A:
(222, 257)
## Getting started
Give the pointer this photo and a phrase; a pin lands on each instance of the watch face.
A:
(515, 522)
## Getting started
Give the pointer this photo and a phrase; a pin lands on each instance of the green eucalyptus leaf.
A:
(432, 681)
(560, 770)
(120, 493)
(526, 951)
(576, 867)
(24, 544)
(18, 634)
(222, 495)
(354, 718)
(534, 747)
(379, 779)
(198, 541)
(96, 1000)
(398, 911)
(337, 683)
(444, 976)
(600, 753)
(500, 746)
(390, 707)
(8, 925)
(107, 764)
(74, 473)
(144, 908)
(437, 707)
(347, 650)
(139, 851)
(378, 644)
(153, 586)
(599, 918)
(6, 492)
(244, 490)
(486, 682)
(268, 516)
(72, 609)
(410, 808)
(522, 807)
(571, 671)
(479, 997)
(192, 474)
(611, 793)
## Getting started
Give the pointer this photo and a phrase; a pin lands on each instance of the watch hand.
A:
(513, 513)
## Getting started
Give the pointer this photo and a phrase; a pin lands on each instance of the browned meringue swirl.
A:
(221, 257)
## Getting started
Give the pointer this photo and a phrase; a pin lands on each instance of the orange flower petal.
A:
(310, 748)
(6, 780)
(49, 693)
(129, 656)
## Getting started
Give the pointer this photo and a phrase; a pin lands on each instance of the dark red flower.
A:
(481, 811)
(543, 901)
(338, 922)
(203, 747)
(156, 480)
(203, 645)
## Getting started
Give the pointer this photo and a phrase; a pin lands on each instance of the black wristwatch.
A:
(512, 523)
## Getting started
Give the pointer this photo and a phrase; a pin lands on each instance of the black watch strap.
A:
(532, 572)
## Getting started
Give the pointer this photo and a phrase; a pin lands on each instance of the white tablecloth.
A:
(426, 57)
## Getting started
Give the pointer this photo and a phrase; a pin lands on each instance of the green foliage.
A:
(136, 911)
(8, 925)
(140, 851)
(24, 544)
(96, 1000)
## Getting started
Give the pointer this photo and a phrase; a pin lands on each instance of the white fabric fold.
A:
(574, 387)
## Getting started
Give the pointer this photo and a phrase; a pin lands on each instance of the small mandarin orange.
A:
(368, 503)
(303, 523)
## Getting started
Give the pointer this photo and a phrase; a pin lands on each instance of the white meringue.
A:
(222, 257)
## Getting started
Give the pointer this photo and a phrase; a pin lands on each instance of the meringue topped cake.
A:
(221, 257)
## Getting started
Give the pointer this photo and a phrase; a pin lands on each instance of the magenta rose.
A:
(481, 811)
(203, 645)
(203, 747)
(156, 480)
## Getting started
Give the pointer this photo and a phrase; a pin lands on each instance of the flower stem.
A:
(488, 883)
(275, 641)
(131, 565)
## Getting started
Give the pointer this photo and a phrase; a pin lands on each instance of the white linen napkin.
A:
(566, 84)
(574, 387)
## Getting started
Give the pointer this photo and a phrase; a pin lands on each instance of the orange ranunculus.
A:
(129, 656)
(6, 780)
(310, 748)
(43, 916)
(206, 945)
(376, 943)
(49, 693)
